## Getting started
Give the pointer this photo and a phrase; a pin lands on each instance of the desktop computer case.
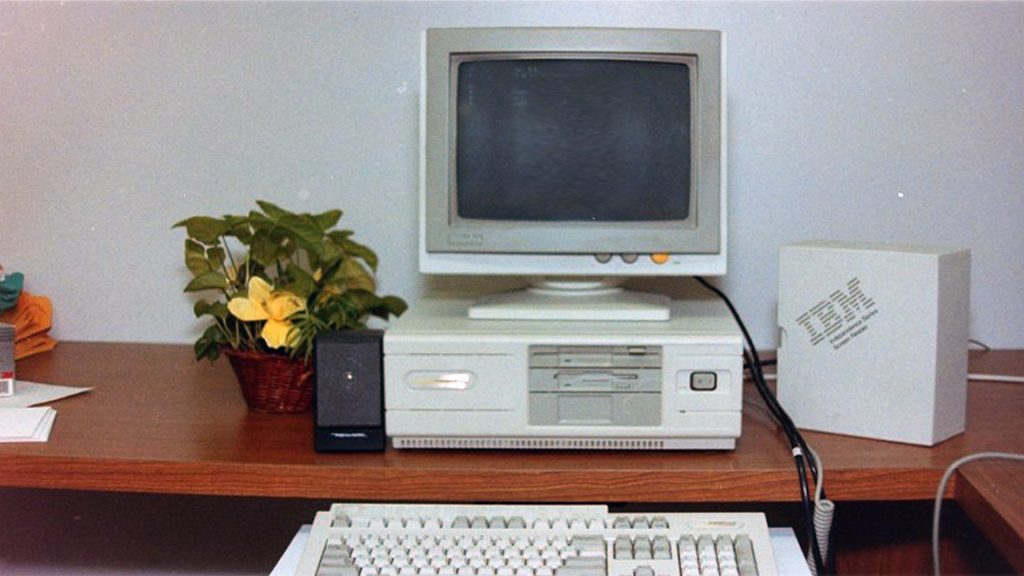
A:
(453, 382)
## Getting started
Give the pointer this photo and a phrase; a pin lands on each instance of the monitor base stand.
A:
(596, 300)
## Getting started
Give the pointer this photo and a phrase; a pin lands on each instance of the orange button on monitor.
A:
(659, 258)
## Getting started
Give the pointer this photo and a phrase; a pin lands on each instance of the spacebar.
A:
(583, 566)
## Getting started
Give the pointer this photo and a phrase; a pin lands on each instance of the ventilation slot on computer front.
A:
(532, 443)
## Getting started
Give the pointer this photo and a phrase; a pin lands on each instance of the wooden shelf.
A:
(159, 422)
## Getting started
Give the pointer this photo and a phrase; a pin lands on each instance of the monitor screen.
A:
(572, 140)
(572, 152)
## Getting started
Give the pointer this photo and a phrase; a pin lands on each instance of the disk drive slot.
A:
(595, 386)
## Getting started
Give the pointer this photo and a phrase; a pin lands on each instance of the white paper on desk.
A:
(32, 393)
(26, 424)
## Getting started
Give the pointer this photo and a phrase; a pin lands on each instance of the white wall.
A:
(871, 121)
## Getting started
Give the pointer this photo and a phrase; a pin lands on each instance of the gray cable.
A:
(942, 490)
(824, 509)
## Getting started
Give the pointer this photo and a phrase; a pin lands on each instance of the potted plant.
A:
(280, 278)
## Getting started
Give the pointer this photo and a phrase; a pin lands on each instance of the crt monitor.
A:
(577, 157)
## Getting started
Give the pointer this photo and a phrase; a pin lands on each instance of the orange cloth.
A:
(32, 318)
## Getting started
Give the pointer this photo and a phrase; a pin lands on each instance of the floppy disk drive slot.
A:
(594, 380)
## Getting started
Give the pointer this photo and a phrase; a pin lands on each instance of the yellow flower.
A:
(274, 307)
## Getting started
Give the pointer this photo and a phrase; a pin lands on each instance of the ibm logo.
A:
(841, 317)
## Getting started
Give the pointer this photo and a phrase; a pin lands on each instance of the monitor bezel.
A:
(696, 245)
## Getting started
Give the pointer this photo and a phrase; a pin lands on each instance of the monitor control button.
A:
(629, 258)
(659, 258)
(603, 258)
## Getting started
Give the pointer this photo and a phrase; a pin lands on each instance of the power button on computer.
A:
(703, 381)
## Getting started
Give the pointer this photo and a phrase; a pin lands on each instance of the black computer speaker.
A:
(348, 400)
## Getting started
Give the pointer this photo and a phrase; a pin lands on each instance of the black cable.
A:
(793, 436)
(789, 429)
(803, 444)
(781, 412)
(755, 362)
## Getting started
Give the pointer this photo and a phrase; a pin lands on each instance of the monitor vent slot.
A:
(533, 443)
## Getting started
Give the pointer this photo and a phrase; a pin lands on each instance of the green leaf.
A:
(303, 229)
(331, 252)
(215, 257)
(239, 227)
(386, 307)
(340, 236)
(330, 275)
(208, 345)
(195, 257)
(212, 280)
(394, 305)
(263, 249)
(344, 314)
(300, 283)
(272, 210)
(260, 221)
(204, 229)
(353, 248)
(307, 327)
(255, 269)
(327, 220)
(216, 309)
(354, 276)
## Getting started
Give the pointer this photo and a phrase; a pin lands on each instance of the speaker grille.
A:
(349, 376)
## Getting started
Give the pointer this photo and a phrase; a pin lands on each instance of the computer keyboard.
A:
(486, 540)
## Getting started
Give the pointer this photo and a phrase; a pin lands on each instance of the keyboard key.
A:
(662, 548)
(337, 571)
(588, 545)
(622, 548)
(516, 523)
(585, 566)
(642, 548)
(342, 521)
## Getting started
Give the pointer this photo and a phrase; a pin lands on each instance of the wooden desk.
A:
(992, 494)
(158, 422)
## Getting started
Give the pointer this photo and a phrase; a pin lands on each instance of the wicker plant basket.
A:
(272, 383)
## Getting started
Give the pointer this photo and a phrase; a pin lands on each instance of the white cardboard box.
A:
(873, 339)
